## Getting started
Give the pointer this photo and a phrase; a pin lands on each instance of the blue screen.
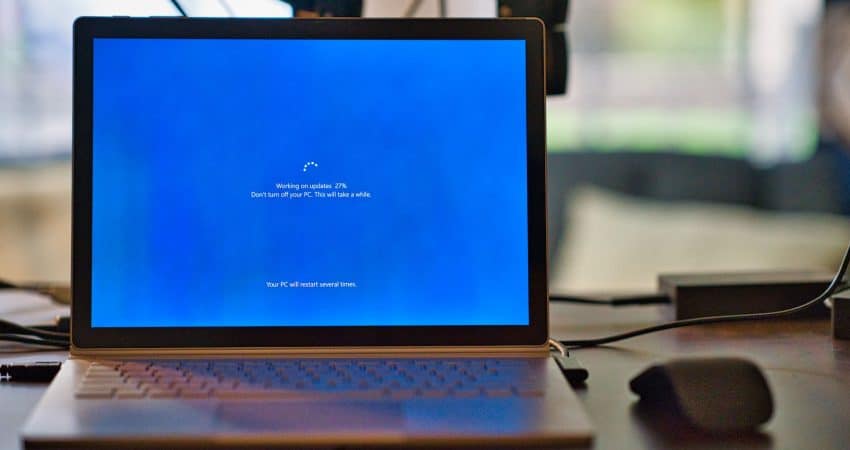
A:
(251, 182)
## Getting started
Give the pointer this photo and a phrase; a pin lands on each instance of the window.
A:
(720, 77)
(35, 63)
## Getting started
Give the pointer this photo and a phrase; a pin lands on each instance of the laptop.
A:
(323, 232)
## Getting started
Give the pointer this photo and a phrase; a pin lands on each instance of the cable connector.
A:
(573, 371)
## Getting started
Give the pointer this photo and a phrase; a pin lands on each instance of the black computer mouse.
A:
(715, 394)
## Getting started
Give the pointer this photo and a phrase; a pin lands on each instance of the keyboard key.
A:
(528, 392)
(466, 392)
(162, 393)
(130, 394)
(402, 394)
(498, 392)
(94, 393)
(434, 393)
(194, 394)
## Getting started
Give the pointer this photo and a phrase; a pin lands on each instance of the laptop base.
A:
(62, 419)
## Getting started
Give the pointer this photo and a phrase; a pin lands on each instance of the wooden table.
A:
(807, 370)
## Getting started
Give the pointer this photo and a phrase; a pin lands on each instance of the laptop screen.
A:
(309, 182)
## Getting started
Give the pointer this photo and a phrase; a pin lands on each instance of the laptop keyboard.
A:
(309, 379)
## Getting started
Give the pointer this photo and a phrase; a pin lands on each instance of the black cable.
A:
(835, 285)
(179, 8)
(61, 324)
(649, 299)
(46, 335)
(11, 327)
(7, 337)
(38, 335)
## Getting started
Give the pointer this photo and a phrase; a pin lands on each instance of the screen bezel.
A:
(84, 336)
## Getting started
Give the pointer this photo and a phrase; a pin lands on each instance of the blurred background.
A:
(700, 135)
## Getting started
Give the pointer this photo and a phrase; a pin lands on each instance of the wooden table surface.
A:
(808, 371)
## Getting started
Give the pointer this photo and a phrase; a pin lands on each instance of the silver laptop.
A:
(308, 232)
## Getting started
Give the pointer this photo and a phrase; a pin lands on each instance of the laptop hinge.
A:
(318, 352)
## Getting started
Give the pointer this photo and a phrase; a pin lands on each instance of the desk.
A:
(808, 371)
